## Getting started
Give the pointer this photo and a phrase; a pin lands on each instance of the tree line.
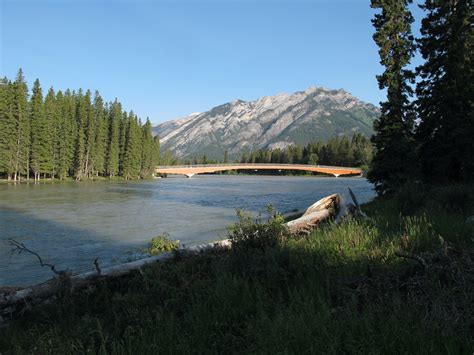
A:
(426, 128)
(70, 134)
(340, 151)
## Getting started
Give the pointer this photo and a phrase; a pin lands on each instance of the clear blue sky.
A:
(166, 59)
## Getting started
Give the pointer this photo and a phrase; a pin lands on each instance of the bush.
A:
(161, 244)
(249, 233)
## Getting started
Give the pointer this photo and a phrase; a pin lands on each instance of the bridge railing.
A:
(252, 165)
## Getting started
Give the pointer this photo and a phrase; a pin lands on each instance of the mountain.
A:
(315, 114)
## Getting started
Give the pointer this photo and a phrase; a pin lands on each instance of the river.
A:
(70, 224)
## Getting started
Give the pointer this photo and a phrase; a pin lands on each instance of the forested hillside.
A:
(344, 151)
(341, 151)
(70, 134)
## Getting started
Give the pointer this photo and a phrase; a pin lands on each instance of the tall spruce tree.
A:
(19, 111)
(63, 139)
(82, 112)
(36, 123)
(124, 127)
(89, 137)
(69, 112)
(446, 91)
(100, 135)
(394, 160)
(147, 150)
(113, 147)
(51, 116)
(156, 160)
(132, 153)
(7, 129)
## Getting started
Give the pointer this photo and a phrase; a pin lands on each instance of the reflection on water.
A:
(70, 224)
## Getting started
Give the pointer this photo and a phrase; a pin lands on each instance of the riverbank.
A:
(289, 173)
(70, 179)
(341, 289)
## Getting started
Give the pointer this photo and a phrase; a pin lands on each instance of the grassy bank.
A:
(341, 289)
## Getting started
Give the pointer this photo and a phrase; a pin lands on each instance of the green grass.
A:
(339, 290)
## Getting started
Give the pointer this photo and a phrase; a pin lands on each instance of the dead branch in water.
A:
(97, 267)
(19, 247)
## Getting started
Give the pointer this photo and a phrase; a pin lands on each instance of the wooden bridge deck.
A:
(190, 170)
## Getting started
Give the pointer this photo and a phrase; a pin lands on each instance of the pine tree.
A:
(446, 90)
(100, 135)
(7, 129)
(48, 129)
(156, 159)
(69, 112)
(36, 123)
(64, 138)
(82, 113)
(394, 161)
(113, 147)
(147, 151)
(89, 137)
(21, 155)
(124, 126)
(132, 151)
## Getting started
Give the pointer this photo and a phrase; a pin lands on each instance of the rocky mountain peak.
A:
(277, 121)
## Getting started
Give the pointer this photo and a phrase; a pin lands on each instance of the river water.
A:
(70, 224)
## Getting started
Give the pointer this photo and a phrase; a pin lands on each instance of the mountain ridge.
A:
(272, 122)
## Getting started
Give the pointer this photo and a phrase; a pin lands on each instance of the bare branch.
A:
(354, 199)
(96, 264)
(19, 248)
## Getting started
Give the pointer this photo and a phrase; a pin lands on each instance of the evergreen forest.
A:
(70, 134)
(337, 151)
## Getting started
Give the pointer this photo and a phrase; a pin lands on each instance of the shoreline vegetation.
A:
(121, 179)
(405, 273)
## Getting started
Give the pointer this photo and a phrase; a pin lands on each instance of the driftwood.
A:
(15, 300)
(305, 223)
(318, 212)
(326, 203)
(11, 298)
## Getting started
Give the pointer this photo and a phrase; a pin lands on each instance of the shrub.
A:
(249, 233)
(161, 244)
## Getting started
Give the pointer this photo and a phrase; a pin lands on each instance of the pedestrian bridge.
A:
(190, 170)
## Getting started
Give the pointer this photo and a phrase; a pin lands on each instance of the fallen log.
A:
(39, 293)
(326, 203)
(307, 222)
(320, 211)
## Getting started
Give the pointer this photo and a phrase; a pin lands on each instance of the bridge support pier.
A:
(189, 175)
